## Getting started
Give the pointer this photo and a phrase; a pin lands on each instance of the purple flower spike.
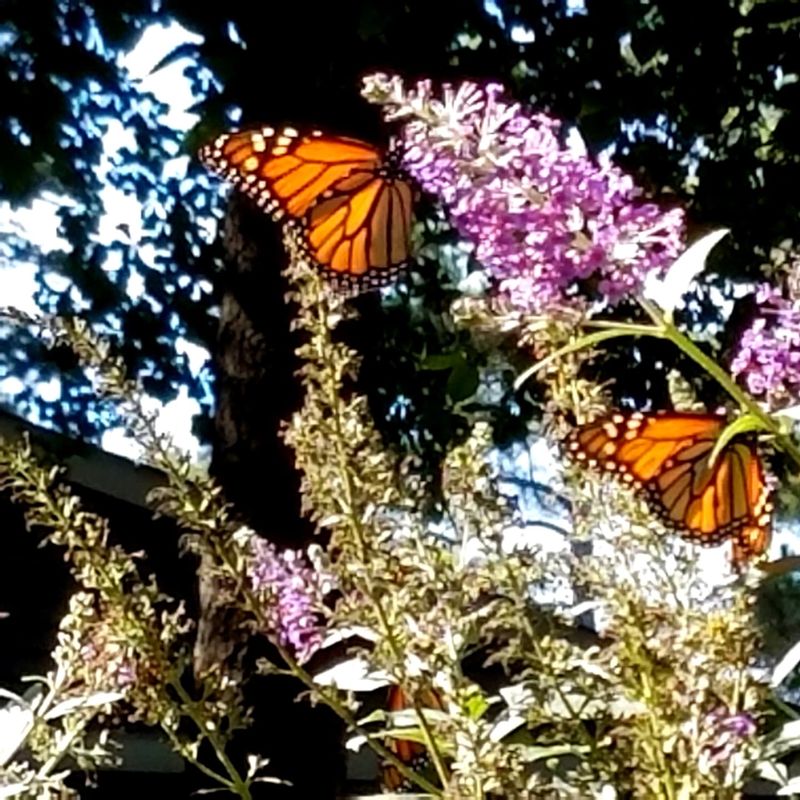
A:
(541, 214)
(725, 734)
(294, 597)
(768, 354)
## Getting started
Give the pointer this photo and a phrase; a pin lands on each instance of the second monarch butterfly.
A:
(666, 455)
(411, 753)
(350, 206)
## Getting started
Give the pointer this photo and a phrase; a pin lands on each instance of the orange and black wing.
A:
(363, 224)
(411, 753)
(667, 456)
(286, 172)
(350, 208)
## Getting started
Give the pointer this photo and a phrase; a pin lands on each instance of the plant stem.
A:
(180, 748)
(354, 516)
(665, 775)
(236, 784)
(663, 328)
(681, 340)
(63, 747)
(336, 706)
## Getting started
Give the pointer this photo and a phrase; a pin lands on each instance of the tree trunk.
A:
(256, 391)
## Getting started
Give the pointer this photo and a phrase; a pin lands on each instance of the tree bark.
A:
(256, 391)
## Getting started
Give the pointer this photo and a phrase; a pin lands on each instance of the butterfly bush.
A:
(124, 646)
(107, 660)
(542, 215)
(579, 713)
(292, 597)
(767, 358)
(659, 701)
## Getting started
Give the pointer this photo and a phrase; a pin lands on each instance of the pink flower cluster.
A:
(545, 219)
(293, 597)
(111, 666)
(724, 735)
(768, 354)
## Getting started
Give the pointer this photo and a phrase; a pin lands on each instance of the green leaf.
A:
(744, 424)
(476, 705)
(441, 361)
(463, 382)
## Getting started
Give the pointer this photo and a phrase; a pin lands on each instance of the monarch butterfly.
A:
(350, 206)
(666, 455)
(411, 753)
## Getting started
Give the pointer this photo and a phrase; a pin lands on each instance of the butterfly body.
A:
(667, 456)
(348, 205)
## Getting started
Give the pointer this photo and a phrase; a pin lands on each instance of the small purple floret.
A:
(293, 591)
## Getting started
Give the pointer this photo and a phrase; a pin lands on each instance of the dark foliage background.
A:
(701, 106)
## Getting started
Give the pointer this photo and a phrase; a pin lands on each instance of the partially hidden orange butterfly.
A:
(666, 455)
(410, 752)
(349, 204)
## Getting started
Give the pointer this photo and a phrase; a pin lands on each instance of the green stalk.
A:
(194, 711)
(254, 607)
(666, 778)
(354, 518)
(332, 702)
(663, 328)
(680, 340)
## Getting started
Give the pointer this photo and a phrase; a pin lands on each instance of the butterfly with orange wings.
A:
(666, 456)
(349, 205)
(410, 752)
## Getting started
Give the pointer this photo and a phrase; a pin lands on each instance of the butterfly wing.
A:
(410, 752)
(752, 540)
(352, 209)
(362, 224)
(666, 456)
(283, 171)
